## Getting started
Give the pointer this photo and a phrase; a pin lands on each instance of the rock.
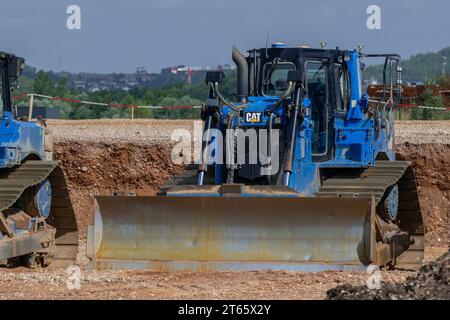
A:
(432, 282)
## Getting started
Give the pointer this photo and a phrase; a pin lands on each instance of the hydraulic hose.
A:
(288, 167)
(230, 153)
(269, 146)
(287, 93)
(222, 99)
(202, 166)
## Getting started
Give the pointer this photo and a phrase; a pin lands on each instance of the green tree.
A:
(81, 112)
(61, 89)
(25, 85)
(183, 101)
(420, 67)
(43, 84)
(430, 100)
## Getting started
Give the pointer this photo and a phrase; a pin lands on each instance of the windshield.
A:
(275, 75)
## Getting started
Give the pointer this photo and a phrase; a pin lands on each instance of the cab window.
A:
(316, 80)
(342, 99)
(274, 77)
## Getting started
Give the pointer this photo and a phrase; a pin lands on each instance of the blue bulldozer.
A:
(298, 172)
(37, 221)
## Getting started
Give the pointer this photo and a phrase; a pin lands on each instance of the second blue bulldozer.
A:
(37, 221)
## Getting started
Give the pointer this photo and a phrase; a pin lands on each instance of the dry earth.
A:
(29, 284)
(432, 282)
(102, 156)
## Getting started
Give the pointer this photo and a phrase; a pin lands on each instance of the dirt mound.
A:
(101, 169)
(431, 163)
(431, 283)
(113, 166)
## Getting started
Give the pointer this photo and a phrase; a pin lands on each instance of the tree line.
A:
(179, 94)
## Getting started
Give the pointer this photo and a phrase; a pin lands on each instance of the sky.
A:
(118, 36)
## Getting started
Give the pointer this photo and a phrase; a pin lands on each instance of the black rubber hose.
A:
(215, 87)
(288, 165)
(284, 96)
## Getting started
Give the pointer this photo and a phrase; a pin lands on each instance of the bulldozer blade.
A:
(228, 233)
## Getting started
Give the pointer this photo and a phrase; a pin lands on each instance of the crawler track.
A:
(376, 180)
(188, 177)
(13, 182)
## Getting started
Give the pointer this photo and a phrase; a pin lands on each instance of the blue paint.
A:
(18, 140)
(354, 141)
(279, 45)
(354, 69)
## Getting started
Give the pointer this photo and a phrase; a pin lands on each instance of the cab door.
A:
(319, 77)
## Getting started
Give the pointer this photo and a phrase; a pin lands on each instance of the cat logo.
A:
(253, 117)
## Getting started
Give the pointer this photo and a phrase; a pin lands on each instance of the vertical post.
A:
(30, 107)
(132, 113)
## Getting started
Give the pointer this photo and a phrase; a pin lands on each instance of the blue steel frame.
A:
(18, 139)
(356, 143)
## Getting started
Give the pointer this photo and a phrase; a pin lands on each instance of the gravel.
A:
(431, 283)
(139, 284)
(421, 132)
(146, 131)
(142, 132)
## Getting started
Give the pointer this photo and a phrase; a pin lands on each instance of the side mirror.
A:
(214, 76)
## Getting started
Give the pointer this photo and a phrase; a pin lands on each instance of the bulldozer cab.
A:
(325, 80)
(332, 80)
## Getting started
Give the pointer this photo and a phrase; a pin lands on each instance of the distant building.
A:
(93, 82)
(225, 67)
(173, 70)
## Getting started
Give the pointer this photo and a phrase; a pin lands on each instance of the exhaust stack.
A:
(242, 75)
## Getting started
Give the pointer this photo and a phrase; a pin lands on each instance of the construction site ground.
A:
(103, 156)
